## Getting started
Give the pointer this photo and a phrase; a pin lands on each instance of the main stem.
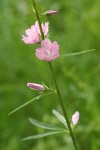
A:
(63, 107)
(56, 85)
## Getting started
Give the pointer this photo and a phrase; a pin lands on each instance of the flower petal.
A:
(55, 47)
(45, 28)
(40, 53)
(46, 44)
(28, 32)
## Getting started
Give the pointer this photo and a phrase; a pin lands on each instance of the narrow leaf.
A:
(60, 117)
(25, 104)
(43, 125)
(76, 53)
(40, 135)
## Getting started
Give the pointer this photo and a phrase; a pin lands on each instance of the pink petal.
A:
(40, 53)
(28, 32)
(55, 55)
(25, 39)
(46, 44)
(55, 47)
(37, 27)
(36, 38)
(45, 28)
(33, 29)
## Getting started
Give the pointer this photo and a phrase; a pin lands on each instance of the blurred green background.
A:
(76, 27)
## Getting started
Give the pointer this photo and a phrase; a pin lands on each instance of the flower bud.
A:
(50, 12)
(75, 117)
(35, 86)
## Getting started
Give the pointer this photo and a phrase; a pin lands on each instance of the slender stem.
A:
(63, 107)
(56, 85)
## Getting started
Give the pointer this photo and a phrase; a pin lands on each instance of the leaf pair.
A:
(54, 129)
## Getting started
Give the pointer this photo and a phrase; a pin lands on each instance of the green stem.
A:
(56, 85)
(63, 107)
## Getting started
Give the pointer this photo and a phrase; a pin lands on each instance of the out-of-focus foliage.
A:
(76, 27)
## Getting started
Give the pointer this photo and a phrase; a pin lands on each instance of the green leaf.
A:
(41, 135)
(25, 104)
(43, 125)
(76, 53)
(60, 117)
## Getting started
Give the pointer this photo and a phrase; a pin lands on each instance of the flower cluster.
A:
(48, 51)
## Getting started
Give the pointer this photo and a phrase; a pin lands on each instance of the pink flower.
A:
(75, 117)
(48, 51)
(35, 86)
(50, 12)
(33, 34)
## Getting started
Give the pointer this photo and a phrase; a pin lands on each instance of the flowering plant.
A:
(48, 51)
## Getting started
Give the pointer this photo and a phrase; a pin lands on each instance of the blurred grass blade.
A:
(43, 125)
(25, 104)
(40, 135)
(60, 117)
(77, 53)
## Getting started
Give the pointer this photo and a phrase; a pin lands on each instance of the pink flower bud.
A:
(75, 117)
(50, 12)
(35, 86)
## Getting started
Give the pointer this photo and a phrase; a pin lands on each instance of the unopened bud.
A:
(35, 86)
(75, 117)
(50, 12)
